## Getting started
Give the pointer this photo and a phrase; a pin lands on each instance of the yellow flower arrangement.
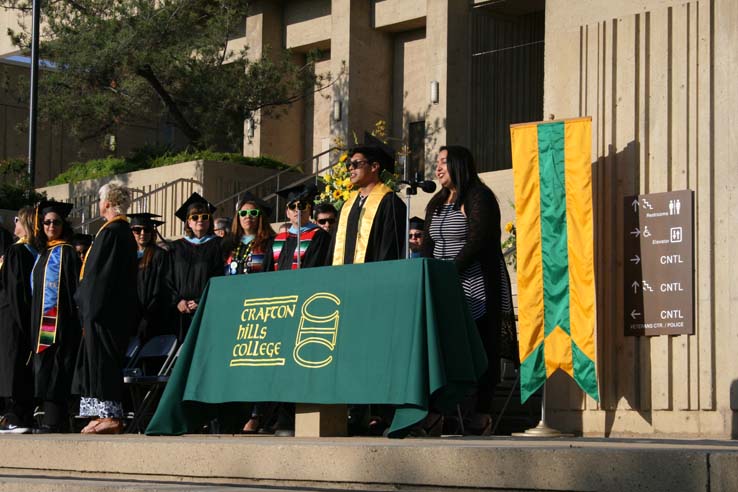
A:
(337, 184)
(511, 244)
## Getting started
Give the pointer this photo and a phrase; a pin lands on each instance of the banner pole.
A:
(542, 429)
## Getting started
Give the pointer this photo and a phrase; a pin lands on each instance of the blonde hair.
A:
(27, 216)
(118, 196)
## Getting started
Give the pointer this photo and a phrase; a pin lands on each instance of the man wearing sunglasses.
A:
(371, 226)
(325, 217)
(415, 237)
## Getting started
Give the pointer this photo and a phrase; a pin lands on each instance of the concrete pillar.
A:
(365, 56)
(278, 135)
(448, 55)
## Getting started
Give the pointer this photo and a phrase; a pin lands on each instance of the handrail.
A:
(276, 176)
(139, 198)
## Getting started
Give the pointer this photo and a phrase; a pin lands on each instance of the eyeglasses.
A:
(140, 230)
(199, 217)
(54, 222)
(415, 235)
(329, 220)
(254, 212)
(300, 205)
(356, 164)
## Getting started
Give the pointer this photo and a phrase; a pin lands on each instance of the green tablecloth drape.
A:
(391, 332)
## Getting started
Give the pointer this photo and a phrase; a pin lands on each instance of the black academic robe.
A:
(16, 373)
(54, 367)
(387, 240)
(108, 305)
(316, 254)
(192, 265)
(154, 297)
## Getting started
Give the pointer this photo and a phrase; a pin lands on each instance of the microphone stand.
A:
(412, 189)
(299, 227)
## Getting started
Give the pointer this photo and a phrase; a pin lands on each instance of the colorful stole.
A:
(305, 239)
(117, 218)
(50, 297)
(366, 219)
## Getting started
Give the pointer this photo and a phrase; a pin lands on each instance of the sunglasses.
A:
(199, 217)
(300, 205)
(54, 222)
(329, 220)
(140, 230)
(254, 212)
(356, 164)
(415, 235)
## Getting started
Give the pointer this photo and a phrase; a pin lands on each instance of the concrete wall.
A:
(410, 87)
(658, 79)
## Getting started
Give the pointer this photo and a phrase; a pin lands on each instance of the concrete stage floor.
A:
(219, 463)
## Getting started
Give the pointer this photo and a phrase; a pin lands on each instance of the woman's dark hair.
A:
(149, 249)
(463, 174)
(264, 230)
(42, 239)
(198, 208)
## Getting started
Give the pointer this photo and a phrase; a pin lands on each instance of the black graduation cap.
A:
(145, 219)
(194, 198)
(302, 192)
(250, 197)
(60, 208)
(417, 223)
(80, 239)
(378, 151)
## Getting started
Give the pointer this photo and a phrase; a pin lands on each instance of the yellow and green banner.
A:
(556, 292)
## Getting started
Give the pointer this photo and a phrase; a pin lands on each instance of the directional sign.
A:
(659, 264)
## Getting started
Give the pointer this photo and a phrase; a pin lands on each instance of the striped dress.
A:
(449, 231)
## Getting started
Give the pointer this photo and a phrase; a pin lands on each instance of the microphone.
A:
(427, 186)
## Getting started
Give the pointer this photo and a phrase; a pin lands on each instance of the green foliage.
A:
(118, 62)
(15, 188)
(147, 159)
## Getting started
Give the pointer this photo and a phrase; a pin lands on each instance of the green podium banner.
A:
(392, 332)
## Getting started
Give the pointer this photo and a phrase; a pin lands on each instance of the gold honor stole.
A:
(50, 297)
(366, 219)
(117, 218)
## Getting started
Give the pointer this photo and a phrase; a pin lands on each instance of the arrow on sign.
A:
(635, 285)
(635, 204)
(634, 314)
(636, 259)
(636, 232)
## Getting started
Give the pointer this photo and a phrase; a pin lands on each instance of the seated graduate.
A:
(195, 258)
(107, 302)
(154, 296)
(415, 237)
(81, 243)
(371, 226)
(251, 238)
(314, 241)
(55, 326)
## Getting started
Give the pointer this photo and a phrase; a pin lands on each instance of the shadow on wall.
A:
(623, 363)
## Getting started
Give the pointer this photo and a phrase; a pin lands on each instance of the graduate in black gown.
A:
(16, 371)
(154, 296)
(108, 306)
(195, 259)
(314, 241)
(371, 226)
(55, 327)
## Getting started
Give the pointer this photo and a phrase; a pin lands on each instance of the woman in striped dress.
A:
(463, 225)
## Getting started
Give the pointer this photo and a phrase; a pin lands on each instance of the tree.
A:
(114, 58)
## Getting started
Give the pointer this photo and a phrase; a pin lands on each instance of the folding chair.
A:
(147, 375)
